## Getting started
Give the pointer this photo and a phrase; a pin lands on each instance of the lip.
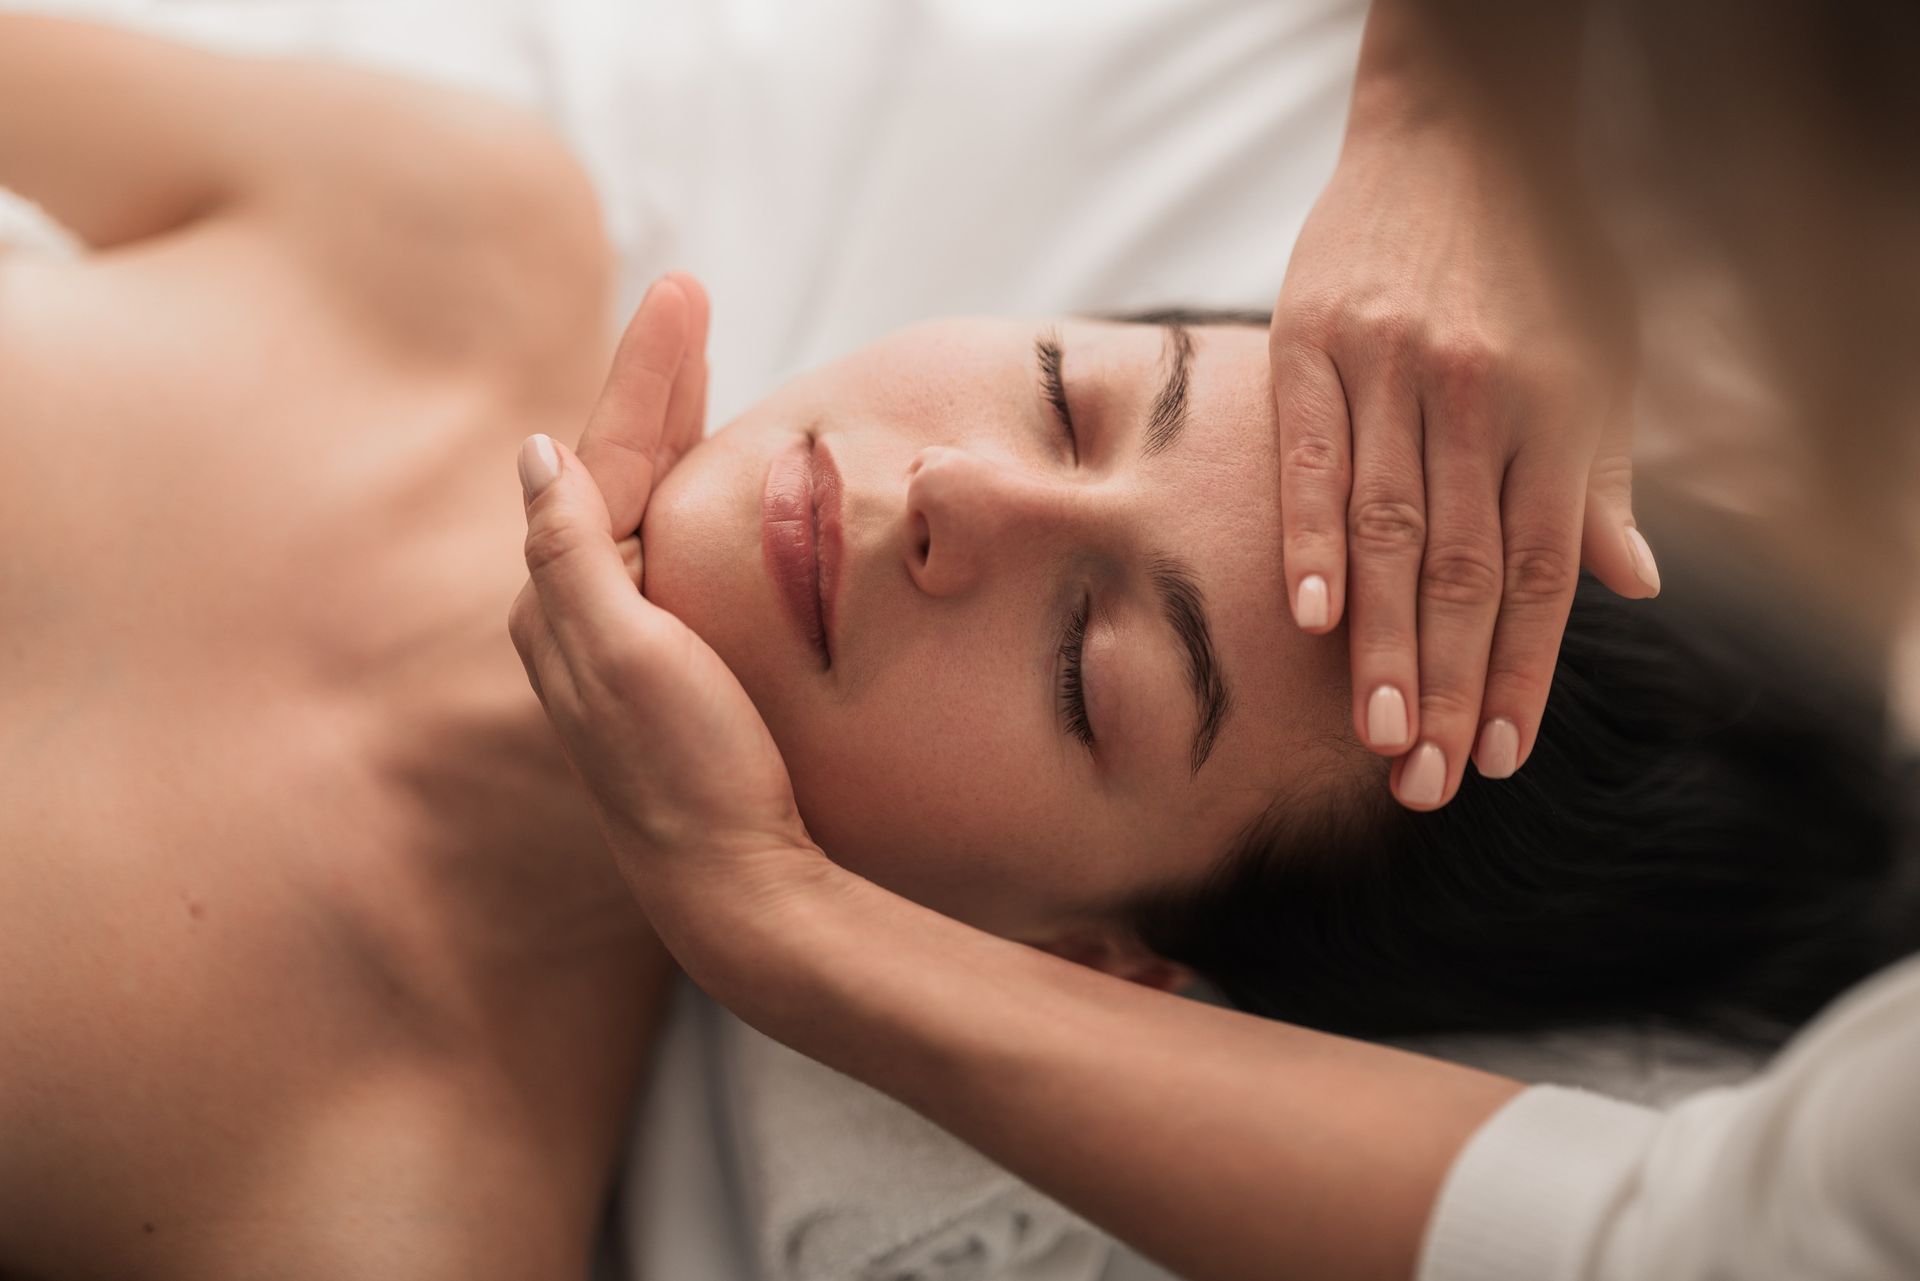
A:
(800, 538)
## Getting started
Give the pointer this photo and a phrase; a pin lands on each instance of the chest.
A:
(260, 721)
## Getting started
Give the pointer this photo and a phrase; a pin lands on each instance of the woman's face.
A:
(1056, 668)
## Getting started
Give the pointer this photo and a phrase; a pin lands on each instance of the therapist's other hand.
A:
(683, 775)
(1452, 451)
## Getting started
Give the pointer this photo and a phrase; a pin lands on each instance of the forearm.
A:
(1508, 69)
(1495, 80)
(1224, 1145)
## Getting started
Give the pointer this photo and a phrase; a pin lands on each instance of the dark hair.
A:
(1711, 831)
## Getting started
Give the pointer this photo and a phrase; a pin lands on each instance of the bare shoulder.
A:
(461, 228)
(451, 226)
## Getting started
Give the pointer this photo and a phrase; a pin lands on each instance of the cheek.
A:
(702, 541)
(924, 784)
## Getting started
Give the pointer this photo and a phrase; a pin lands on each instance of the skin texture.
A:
(933, 756)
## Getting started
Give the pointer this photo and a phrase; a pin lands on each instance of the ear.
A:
(1115, 951)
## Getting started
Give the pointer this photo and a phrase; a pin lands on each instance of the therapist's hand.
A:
(685, 779)
(1452, 450)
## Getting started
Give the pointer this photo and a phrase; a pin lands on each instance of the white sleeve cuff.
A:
(1528, 1194)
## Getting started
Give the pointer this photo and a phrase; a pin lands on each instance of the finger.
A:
(1315, 481)
(686, 419)
(1541, 502)
(583, 585)
(624, 431)
(1386, 531)
(1611, 549)
(629, 549)
(1459, 596)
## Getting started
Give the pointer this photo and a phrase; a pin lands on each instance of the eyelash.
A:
(1073, 698)
(1056, 388)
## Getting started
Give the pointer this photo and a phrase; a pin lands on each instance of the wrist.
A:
(746, 925)
(1400, 84)
(851, 974)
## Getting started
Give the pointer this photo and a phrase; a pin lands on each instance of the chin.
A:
(701, 546)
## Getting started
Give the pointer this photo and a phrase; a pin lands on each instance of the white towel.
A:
(841, 1183)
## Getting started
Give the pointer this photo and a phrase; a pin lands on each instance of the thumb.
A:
(1611, 548)
(578, 572)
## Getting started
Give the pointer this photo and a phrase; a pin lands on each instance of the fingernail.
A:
(1310, 605)
(1425, 776)
(1642, 556)
(1498, 754)
(539, 463)
(1386, 718)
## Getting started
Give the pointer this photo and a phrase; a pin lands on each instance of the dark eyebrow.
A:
(1168, 418)
(1185, 611)
(1174, 581)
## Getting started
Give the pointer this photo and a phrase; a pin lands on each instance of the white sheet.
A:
(837, 168)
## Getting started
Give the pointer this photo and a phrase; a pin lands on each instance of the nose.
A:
(966, 511)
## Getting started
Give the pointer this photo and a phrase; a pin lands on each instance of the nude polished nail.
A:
(1386, 718)
(1498, 754)
(1310, 603)
(1425, 776)
(1642, 557)
(539, 463)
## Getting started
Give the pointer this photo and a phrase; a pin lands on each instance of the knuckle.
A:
(1389, 335)
(1316, 459)
(1612, 475)
(1559, 377)
(1385, 649)
(1386, 324)
(1307, 320)
(1465, 370)
(1443, 707)
(547, 545)
(1516, 686)
(523, 616)
(1460, 575)
(1387, 526)
(1313, 542)
(1537, 576)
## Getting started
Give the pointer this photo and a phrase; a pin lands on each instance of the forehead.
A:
(1215, 498)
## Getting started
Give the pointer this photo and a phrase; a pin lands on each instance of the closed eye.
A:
(1046, 351)
(1073, 694)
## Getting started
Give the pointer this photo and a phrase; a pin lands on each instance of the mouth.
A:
(800, 539)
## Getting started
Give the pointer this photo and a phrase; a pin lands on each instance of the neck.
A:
(500, 829)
